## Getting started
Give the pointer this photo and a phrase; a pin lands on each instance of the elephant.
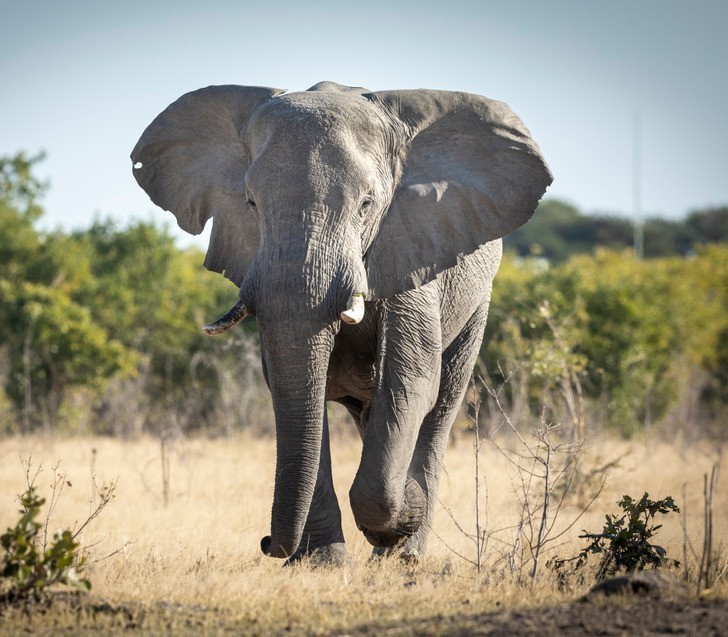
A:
(363, 230)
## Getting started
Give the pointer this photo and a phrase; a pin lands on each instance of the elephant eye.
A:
(365, 205)
(251, 201)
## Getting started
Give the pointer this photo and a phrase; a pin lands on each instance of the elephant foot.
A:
(403, 551)
(407, 522)
(331, 555)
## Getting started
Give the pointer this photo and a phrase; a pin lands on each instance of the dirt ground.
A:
(74, 614)
(633, 617)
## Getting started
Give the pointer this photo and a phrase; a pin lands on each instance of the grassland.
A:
(193, 566)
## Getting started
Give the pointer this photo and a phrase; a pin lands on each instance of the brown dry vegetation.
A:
(194, 566)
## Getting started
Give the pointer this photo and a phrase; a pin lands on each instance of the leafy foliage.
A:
(86, 313)
(624, 544)
(99, 328)
(637, 333)
(30, 570)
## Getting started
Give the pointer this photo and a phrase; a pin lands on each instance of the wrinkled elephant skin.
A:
(363, 230)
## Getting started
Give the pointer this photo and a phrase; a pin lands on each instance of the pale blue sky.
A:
(81, 80)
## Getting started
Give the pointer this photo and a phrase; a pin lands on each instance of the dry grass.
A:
(194, 565)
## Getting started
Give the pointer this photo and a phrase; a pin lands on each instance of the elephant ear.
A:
(191, 161)
(471, 173)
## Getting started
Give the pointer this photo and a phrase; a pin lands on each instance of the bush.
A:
(29, 569)
(638, 333)
(624, 543)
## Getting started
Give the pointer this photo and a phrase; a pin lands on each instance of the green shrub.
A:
(29, 569)
(624, 544)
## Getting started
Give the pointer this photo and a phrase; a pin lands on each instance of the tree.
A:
(543, 235)
(558, 231)
(707, 226)
(19, 210)
(51, 341)
(104, 305)
(638, 332)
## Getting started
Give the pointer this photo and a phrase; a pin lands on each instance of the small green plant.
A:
(625, 541)
(30, 569)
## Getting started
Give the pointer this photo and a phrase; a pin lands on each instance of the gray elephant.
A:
(364, 232)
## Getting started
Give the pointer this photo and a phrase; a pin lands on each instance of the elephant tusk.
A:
(354, 311)
(234, 315)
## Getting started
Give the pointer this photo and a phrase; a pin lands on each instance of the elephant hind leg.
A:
(358, 411)
(458, 360)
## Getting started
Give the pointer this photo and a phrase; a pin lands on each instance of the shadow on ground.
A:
(73, 614)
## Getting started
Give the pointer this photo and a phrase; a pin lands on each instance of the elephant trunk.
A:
(298, 288)
(297, 377)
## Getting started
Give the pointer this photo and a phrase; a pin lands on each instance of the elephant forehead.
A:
(312, 118)
(332, 102)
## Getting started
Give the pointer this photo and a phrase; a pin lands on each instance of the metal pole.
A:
(639, 235)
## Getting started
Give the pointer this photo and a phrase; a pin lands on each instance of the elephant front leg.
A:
(323, 539)
(388, 504)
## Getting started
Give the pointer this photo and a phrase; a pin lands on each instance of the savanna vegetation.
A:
(99, 328)
(140, 451)
(560, 231)
(192, 565)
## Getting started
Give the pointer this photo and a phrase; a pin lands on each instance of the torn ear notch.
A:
(192, 161)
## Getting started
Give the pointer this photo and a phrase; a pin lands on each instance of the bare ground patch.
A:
(74, 614)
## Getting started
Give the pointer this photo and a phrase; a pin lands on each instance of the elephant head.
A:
(322, 199)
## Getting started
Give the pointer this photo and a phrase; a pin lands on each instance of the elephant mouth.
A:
(353, 314)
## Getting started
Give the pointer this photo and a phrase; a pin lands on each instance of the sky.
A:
(81, 80)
